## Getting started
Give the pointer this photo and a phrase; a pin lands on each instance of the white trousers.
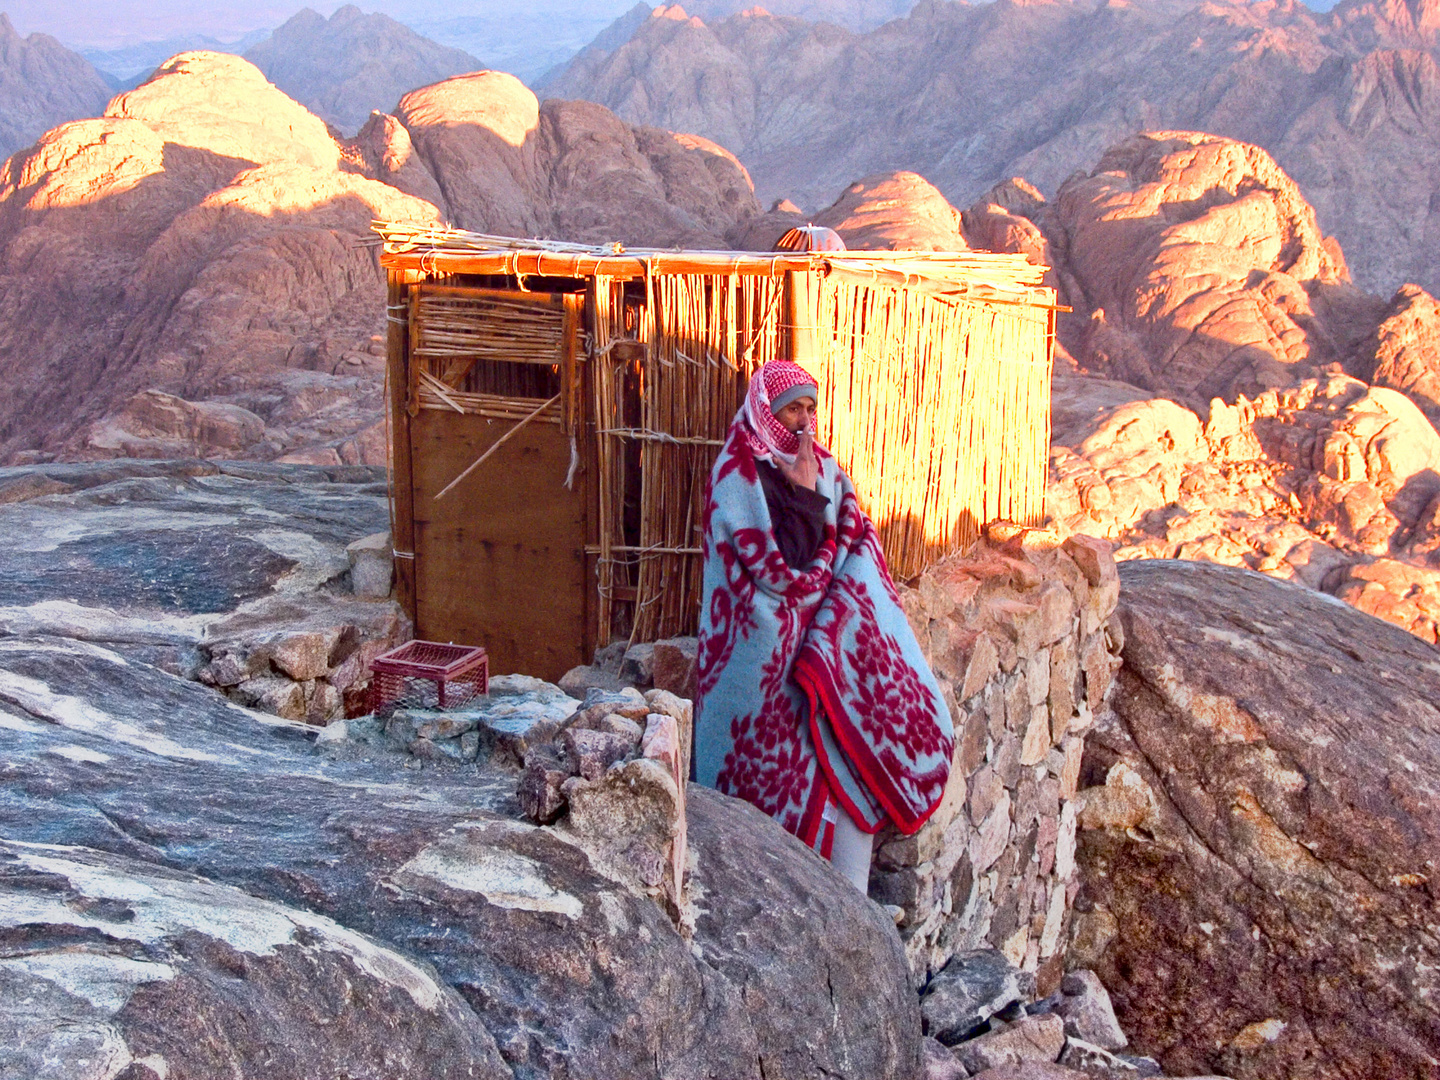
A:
(850, 853)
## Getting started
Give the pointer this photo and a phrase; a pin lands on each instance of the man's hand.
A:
(806, 470)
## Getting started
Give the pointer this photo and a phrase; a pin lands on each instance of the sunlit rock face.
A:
(185, 276)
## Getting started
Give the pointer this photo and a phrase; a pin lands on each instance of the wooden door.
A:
(500, 560)
(500, 557)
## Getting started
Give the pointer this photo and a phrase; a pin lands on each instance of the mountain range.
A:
(970, 94)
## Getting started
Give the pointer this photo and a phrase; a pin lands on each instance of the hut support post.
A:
(402, 507)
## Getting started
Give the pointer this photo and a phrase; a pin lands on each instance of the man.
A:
(814, 703)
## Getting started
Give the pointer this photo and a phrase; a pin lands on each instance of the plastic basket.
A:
(428, 675)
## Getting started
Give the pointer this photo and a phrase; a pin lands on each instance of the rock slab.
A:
(1287, 749)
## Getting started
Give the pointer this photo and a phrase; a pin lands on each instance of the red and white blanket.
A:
(812, 688)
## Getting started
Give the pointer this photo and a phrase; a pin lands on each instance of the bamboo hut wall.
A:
(936, 405)
(668, 375)
(938, 410)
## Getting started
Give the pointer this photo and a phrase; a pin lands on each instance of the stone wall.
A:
(1021, 634)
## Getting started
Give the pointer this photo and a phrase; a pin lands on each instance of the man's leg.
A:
(850, 853)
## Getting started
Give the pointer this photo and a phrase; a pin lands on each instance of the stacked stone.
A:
(613, 776)
(519, 712)
(1020, 633)
(668, 664)
(302, 665)
(309, 662)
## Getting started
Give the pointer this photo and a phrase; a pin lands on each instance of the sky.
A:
(113, 24)
(504, 33)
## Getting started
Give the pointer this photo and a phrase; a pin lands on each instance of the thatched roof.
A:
(961, 275)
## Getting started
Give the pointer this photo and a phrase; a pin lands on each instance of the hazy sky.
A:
(112, 24)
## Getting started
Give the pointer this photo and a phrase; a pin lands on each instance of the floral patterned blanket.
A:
(813, 692)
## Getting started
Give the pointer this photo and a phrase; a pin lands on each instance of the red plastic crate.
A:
(428, 675)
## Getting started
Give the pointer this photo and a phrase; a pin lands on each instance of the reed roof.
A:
(961, 276)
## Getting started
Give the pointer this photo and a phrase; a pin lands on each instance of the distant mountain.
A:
(345, 67)
(128, 66)
(42, 84)
(970, 94)
(851, 14)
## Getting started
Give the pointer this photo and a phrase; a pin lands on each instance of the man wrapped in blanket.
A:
(814, 701)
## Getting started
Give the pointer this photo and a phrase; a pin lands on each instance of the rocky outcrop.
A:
(1330, 483)
(343, 68)
(968, 95)
(381, 909)
(237, 576)
(186, 275)
(507, 164)
(42, 84)
(197, 240)
(1260, 817)
(1198, 258)
(1406, 349)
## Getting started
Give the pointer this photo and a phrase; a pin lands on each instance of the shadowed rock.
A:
(460, 928)
(42, 84)
(1287, 746)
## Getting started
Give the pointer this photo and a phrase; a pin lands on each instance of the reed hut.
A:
(554, 411)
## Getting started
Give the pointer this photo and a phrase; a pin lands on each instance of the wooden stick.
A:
(494, 446)
(439, 389)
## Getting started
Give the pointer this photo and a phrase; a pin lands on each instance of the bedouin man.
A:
(814, 701)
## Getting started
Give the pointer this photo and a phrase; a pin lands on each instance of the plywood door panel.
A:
(499, 561)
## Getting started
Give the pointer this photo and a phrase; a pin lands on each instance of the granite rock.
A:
(968, 991)
(1288, 744)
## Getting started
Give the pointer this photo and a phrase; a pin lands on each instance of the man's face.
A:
(797, 415)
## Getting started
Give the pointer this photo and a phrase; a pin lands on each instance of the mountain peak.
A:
(344, 67)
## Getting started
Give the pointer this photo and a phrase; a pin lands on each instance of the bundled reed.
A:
(938, 410)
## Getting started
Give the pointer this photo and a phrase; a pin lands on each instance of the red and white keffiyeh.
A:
(767, 437)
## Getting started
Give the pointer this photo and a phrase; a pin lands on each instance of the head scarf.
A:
(767, 436)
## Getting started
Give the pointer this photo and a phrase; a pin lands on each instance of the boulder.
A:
(897, 211)
(805, 950)
(941, 1063)
(970, 989)
(372, 566)
(1030, 1038)
(1085, 1007)
(1287, 744)
(172, 858)
(672, 666)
